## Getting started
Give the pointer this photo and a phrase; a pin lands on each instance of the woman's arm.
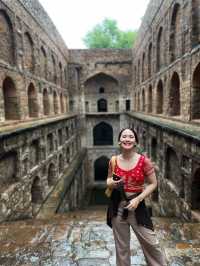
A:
(109, 177)
(152, 184)
(110, 182)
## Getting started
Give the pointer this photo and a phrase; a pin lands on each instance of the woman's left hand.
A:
(133, 204)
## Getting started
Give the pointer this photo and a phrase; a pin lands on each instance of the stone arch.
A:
(195, 23)
(143, 100)
(135, 102)
(43, 62)
(174, 95)
(98, 77)
(52, 175)
(67, 155)
(143, 67)
(102, 105)
(55, 103)
(138, 101)
(173, 170)
(66, 76)
(32, 101)
(36, 191)
(60, 73)
(150, 99)
(138, 76)
(66, 107)
(87, 107)
(159, 97)
(61, 103)
(50, 143)
(46, 103)
(101, 168)
(154, 149)
(61, 164)
(159, 45)
(34, 151)
(28, 52)
(195, 190)
(6, 38)
(60, 137)
(150, 60)
(117, 106)
(54, 74)
(103, 134)
(91, 88)
(8, 168)
(174, 45)
(196, 93)
(11, 104)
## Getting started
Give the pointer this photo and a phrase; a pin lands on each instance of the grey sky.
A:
(74, 18)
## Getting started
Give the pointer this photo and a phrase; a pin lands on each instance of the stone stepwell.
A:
(82, 238)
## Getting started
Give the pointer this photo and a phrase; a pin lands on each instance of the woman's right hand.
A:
(112, 183)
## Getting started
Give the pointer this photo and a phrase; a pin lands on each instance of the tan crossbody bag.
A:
(108, 190)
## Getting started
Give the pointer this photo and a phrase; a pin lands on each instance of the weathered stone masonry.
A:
(166, 70)
(61, 110)
(34, 156)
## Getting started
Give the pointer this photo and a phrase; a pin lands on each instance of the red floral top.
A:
(135, 177)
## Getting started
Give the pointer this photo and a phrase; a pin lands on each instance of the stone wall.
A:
(175, 149)
(166, 75)
(100, 85)
(165, 61)
(99, 68)
(33, 63)
(32, 160)
(75, 185)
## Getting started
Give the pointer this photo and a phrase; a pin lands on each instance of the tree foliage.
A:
(108, 35)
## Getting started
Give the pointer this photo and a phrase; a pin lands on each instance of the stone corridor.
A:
(81, 238)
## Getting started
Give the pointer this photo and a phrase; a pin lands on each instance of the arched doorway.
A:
(102, 105)
(7, 38)
(195, 191)
(196, 93)
(36, 191)
(103, 134)
(159, 45)
(11, 105)
(174, 96)
(55, 103)
(101, 168)
(98, 89)
(175, 29)
(52, 175)
(173, 170)
(149, 104)
(32, 101)
(28, 52)
(159, 98)
(46, 104)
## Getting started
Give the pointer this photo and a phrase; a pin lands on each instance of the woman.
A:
(127, 206)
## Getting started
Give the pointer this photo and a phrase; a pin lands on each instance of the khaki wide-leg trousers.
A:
(121, 229)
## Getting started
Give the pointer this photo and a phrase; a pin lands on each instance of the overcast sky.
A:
(74, 18)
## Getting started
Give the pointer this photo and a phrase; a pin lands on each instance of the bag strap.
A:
(113, 163)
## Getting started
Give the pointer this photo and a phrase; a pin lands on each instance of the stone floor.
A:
(82, 238)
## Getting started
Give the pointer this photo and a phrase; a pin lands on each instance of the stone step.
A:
(82, 237)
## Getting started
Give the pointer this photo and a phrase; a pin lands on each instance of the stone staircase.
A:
(81, 238)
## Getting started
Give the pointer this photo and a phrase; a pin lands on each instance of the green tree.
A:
(108, 35)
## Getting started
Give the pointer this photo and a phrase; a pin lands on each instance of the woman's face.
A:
(127, 139)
